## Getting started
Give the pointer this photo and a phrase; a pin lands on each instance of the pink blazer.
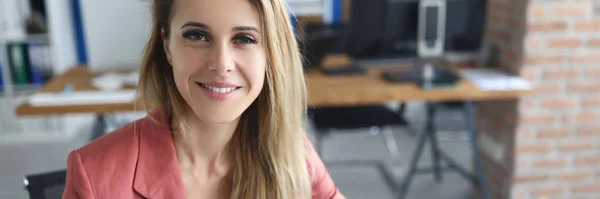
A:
(125, 164)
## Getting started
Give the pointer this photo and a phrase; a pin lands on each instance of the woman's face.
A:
(218, 58)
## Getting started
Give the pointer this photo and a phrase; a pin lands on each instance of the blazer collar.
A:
(157, 171)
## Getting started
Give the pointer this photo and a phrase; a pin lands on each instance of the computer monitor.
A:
(387, 29)
(373, 26)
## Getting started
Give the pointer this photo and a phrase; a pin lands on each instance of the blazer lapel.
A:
(157, 172)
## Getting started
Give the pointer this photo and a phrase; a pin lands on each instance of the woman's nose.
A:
(221, 61)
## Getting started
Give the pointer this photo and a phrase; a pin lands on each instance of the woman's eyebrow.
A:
(234, 29)
(196, 24)
(245, 28)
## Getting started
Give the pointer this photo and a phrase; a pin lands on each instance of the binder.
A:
(36, 74)
(3, 65)
(18, 61)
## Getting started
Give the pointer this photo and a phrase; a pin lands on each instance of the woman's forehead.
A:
(217, 13)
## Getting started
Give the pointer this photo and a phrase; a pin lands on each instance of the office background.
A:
(545, 144)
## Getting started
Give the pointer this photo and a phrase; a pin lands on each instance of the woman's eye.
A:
(195, 35)
(245, 40)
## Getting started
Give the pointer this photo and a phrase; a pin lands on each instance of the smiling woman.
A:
(223, 84)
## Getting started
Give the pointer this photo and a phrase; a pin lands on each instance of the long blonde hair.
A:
(268, 147)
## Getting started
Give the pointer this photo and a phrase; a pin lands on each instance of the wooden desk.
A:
(322, 91)
(80, 77)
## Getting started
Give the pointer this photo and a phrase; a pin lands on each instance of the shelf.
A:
(21, 90)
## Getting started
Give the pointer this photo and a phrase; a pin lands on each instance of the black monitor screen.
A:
(388, 28)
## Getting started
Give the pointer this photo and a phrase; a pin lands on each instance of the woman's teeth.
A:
(219, 90)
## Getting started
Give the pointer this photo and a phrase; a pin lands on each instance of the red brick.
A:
(585, 58)
(547, 27)
(496, 179)
(510, 55)
(592, 72)
(582, 145)
(554, 133)
(525, 134)
(523, 164)
(539, 60)
(550, 163)
(530, 74)
(534, 44)
(588, 161)
(587, 26)
(560, 73)
(527, 105)
(531, 178)
(547, 89)
(571, 9)
(564, 43)
(504, 36)
(532, 119)
(518, 192)
(558, 103)
(587, 117)
(500, 6)
(573, 176)
(589, 131)
(586, 188)
(536, 11)
(594, 42)
(548, 191)
(584, 87)
(591, 101)
(533, 148)
(498, 20)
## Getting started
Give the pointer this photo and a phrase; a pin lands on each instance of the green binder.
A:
(19, 62)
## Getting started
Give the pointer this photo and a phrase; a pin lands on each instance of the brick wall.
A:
(551, 138)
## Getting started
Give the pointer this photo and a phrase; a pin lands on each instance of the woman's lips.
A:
(218, 93)
(221, 90)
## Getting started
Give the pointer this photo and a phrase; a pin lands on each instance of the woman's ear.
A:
(165, 41)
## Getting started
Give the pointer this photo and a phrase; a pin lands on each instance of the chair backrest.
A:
(48, 185)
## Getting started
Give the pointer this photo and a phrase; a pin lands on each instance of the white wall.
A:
(115, 35)
(62, 37)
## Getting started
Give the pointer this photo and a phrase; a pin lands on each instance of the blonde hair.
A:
(268, 147)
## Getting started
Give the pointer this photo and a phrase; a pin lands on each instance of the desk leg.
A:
(99, 127)
(481, 178)
(435, 150)
(412, 169)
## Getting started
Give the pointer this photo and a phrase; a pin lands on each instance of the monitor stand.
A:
(426, 73)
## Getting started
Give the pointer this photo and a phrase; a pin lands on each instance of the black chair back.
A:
(48, 185)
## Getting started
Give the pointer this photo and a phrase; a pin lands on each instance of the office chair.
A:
(48, 185)
(377, 118)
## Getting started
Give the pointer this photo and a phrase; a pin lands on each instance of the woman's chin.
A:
(219, 120)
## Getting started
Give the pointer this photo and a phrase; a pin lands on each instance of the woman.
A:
(224, 83)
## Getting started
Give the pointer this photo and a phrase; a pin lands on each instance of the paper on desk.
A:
(494, 80)
(82, 98)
